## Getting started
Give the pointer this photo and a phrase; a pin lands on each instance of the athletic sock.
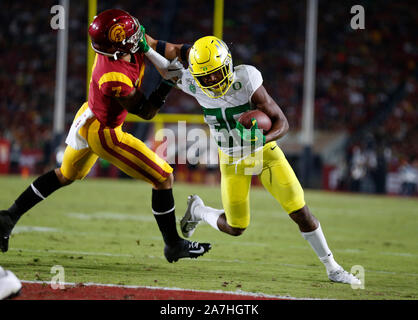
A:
(209, 215)
(41, 188)
(318, 243)
(164, 213)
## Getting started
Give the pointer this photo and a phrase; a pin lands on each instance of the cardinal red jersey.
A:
(113, 78)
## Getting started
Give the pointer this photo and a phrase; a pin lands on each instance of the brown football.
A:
(263, 120)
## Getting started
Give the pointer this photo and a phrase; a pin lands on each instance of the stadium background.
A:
(366, 83)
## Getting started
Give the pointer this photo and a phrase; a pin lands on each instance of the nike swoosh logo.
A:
(201, 250)
(273, 148)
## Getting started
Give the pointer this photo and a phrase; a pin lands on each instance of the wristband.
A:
(161, 47)
(183, 52)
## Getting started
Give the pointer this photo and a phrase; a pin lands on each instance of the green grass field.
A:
(103, 231)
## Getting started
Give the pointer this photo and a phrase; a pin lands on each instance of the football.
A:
(263, 120)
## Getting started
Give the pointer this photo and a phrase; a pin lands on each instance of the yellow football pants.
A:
(123, 150)
(277, 176)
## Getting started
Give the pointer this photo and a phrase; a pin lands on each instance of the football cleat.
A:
(185, 249)
(6, 226)
(342, 276)
(10, 285)
(189, 221)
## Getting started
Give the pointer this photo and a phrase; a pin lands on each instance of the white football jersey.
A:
(222, 113)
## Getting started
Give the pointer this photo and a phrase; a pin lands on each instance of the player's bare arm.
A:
(264, 102)
(169, 50)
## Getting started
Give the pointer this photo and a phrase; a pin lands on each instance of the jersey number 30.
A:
(231, 114)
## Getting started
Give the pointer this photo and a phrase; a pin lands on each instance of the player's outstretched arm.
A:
(165, 58)
(137, 103)
(264, 102)
(169, 50)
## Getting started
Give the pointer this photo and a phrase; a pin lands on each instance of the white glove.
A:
(174, 70)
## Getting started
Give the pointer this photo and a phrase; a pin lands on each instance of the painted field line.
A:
(398, 254)
(237, 293)
(74, 252)
(22, 229)
(200, 259)
(28, 229)
(110, 216)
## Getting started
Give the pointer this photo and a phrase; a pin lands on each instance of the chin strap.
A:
(113, 55)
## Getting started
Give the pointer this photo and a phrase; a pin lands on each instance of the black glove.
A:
(150, 107)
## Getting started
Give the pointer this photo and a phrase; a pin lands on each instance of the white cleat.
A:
(342, 276)
(10, 285)
(189, 221)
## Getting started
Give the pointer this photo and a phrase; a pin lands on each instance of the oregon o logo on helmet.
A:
(117, 33)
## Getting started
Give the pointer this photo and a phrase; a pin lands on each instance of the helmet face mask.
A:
(216, 82)
(134, 39)
(210, 64)
(114, 32)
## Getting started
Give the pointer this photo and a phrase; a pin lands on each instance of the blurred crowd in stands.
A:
(366, 80)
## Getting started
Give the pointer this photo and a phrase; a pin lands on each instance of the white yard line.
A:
(398, 254)
(73, 252)
(22, 229)
(110, 216)
(234, 261)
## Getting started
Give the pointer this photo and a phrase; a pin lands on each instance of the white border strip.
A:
(237, 293)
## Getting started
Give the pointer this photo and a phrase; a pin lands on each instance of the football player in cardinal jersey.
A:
(121, 46)
(225, 93)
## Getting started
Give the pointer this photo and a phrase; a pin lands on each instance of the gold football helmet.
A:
(210, 64)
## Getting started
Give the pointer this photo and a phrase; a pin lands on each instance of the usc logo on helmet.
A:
(117, 33)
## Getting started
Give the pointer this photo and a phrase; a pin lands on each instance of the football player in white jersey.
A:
(225, 92)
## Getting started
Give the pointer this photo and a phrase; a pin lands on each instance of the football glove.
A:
(143, 44)
(148, 108)
(253, 135)
(174, 70)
